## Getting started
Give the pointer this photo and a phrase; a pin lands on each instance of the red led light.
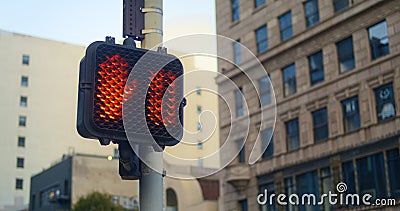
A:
(158, 87)
(112, 76)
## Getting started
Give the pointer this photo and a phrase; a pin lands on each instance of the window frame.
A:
(385, 102)
(19, 184)
(25, 59)
(21, 141)
(235, 10)
(22, 121)
(323, 125)
(24, 81)
(349, 56)
(259, 3)
(320, 68)
(264, 87)
(315, 13)
(285, 70)
(337, 10)
(23, 101)
(267, 133)
(283, 27)
(237, 52)
(262, 40)
(373, 56)
(294, 136)
(353, 114)
(20, 162)
(239, 102)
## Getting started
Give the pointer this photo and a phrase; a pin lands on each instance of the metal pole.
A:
(151, 184)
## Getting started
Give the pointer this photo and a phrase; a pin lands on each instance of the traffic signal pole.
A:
(151, 183)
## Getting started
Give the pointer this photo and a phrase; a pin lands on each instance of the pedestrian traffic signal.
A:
(112, 104)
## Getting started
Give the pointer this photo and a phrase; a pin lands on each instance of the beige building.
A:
(38, 111)
(335, 70)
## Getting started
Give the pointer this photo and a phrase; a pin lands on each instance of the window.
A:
(311, 12)
(393, 163)
(239, 102)
(326, 184)
(237, 51)
(262, 39)
(292, 134)
(289, 80)
(270, 190)
(24, 81)
(371, 175)
(242, 153)
(23, 102)
(243, 205)
(320, 124)
(199, 145)
(340, 5)
(265, 91)
(285, 25)
(289, 190)
(385, 103)
(199, 127)
(316, 66)
(348, 176)
(266, 136)
(25, 59)
(22, 121)
(200, 162)
(235, 10)
(345, 54)
(20, 162)
(307, 183)
(21, 141)
(259, 3)
(351, 114)
(198, 91)
(19, 184)
(378, 40)
(199, 109)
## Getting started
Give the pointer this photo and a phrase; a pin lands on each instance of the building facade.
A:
(38, 111)
(335, 69)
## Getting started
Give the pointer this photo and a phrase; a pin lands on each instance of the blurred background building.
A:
(335, 70)
(38, 111)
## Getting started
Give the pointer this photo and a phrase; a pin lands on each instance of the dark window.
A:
(307, 183)
(199, 109)
(19, 184)
(23, 102)
(340, 5)
(371, 175)
(239, 102)
(326, 185)
(348, 176)
(292, 134)
(385, 103)
(198, 91)
(393, 162)
(199, 127)
(311, 12)
(243, 205)
(25, 59)
(24, 81)
(265, 91)
(289, 80)
(285, 26)
(199, 145)
(262, 39)
(237, 51)
(345, 54)
(259, 2)
(320, 124)
(378, 40)
(22, 121)
(316, 65)
(289, 190)
(268, 142)
(351, 114)
(21, 141)
(242, 153)
(20, 162)
(269, 206)
(235, 10)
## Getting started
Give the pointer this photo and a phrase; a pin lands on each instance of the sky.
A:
(84, 21)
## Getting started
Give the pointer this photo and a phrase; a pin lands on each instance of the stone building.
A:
(335, 70)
